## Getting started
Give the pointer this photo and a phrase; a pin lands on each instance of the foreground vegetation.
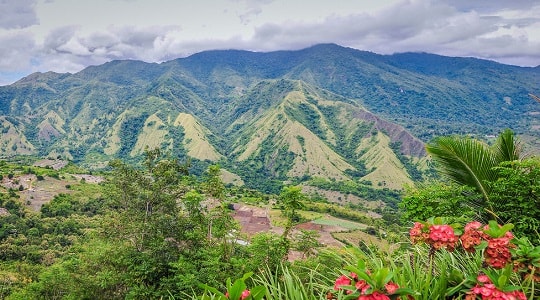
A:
(157, 232)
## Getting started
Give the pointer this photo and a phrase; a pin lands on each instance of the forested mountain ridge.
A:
(325, 111)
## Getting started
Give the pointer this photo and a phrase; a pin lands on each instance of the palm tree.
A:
(471, 162)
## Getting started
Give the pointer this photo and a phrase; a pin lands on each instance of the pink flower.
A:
(362, 286)
(498, 242)
(488, 290)
(472, 236)
(518, 295)
(475, 225)
(417, 233)
(244, 295)
(483, 279)
(442, 236)
(374, 296)
(342, 280)
(497, 253)
(391, 287)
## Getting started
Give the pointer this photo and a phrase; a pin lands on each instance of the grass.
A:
(330, 221)
(439, 276)
(357, 237)
(314, 158)
(277, 218)
(195, 140)
(310, 215)
(151, 136)
(389, 171)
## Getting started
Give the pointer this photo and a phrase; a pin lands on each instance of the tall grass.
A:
(432, 275)
(284, 283)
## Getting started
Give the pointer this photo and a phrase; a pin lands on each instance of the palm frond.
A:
(465, 161)
(507, 147)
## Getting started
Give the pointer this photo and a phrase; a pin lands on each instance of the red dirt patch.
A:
(252, 219)
(255, 219)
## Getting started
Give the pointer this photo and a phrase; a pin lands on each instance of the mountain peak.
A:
(262, 107)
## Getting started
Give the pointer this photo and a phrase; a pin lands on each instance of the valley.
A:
(134, 180)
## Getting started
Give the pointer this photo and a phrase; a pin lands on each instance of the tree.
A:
(290, 200)
(306, 242)
(516, 196)
(471, 162)
(147, 212)
(267, 250)
(146, 200)
(213, 185)
(439, 199)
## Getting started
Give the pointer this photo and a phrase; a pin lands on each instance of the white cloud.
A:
(66, 36)
(17, 13)
(16, 51)
(490, 5)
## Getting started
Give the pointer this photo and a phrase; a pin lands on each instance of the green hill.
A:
(287, 116)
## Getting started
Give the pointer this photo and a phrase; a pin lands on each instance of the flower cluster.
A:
(496, 239)
(472, 236)
(497, 253)
(486, 290)
(439, 236)
(442, 236)
(417, 233)
(365, 290)
(244, 295)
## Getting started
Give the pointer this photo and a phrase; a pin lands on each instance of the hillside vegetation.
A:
(155, 231)
(325, 111)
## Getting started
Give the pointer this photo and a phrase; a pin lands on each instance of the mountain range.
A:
(322, 113)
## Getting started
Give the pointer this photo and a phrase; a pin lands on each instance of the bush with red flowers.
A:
(362, 284)
(435, 233)
(235, 291)
(497, 245)
(494, 286)
(472, 236)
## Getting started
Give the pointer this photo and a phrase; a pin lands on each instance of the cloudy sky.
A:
(68, 35)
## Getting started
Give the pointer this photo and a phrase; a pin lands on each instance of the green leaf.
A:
(257, 292)
(361, 265)
(211, 289)
(235, 292)
(406, 291)
(483, 245)
(501, 281)
(383, 276)
(465, 161)
(247, 275)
